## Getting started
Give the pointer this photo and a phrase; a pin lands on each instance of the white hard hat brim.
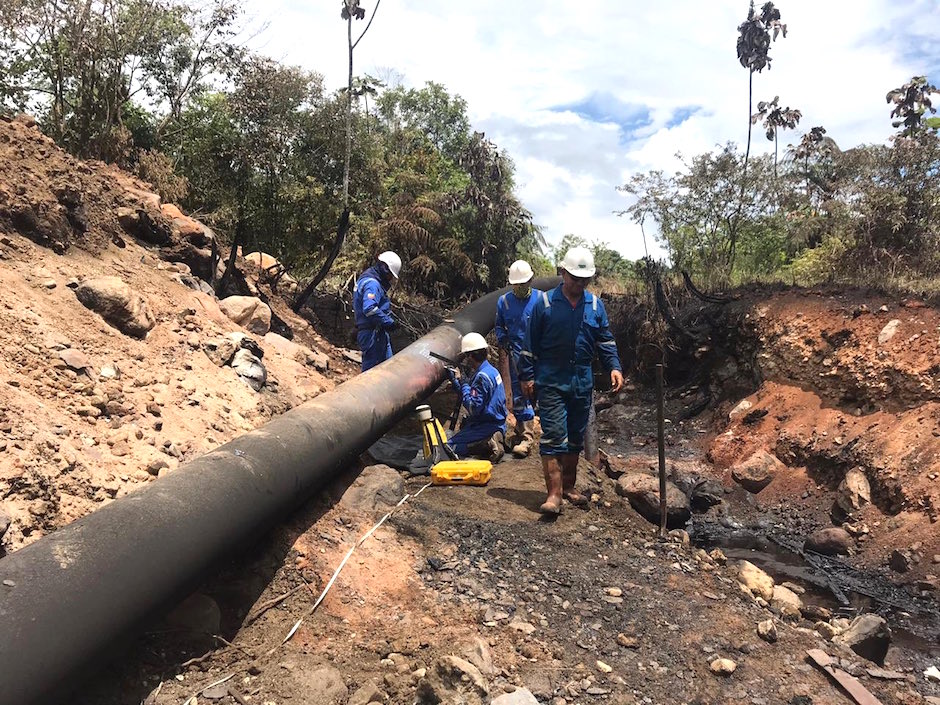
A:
(521, 280)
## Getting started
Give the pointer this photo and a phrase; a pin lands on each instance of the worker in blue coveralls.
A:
(374, 310)
(481, 391)
(512, 317)
(567, 326)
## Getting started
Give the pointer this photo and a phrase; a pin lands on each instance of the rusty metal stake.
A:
(661, 439)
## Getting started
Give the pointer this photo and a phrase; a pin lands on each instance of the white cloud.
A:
(517, 63)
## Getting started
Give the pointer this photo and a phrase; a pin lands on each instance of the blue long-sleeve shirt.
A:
(561, 340)
(512, 318)
(371, 304)
(484, 396)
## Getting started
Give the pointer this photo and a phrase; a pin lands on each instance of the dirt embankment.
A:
(841, 381)
(88, 412)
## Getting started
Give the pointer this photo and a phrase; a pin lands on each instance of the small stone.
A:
(767, 631)
(932, 674)
(628, 641)
(9, 583)
(723, 666)
(614, 592)
(826, 630)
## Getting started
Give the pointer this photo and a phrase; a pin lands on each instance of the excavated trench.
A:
(769, 347)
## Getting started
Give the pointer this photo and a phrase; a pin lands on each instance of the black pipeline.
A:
(67, 598)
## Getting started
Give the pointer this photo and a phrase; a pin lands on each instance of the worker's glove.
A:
(392, 325)
(454, 378)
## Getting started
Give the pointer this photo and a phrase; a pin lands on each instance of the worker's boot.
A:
(552, 471)
(527, 440)
(497, 447)
(569, 478)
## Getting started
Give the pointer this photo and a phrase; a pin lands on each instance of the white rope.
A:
(342, 564)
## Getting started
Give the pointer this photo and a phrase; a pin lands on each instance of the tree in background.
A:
(755, 35)
(775, 119)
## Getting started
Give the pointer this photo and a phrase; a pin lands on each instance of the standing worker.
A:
(374, 310)
(484, 429)
(512, 317)
(567, 325)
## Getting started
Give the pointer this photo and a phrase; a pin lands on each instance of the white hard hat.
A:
(519, 272)
(579, 262)
(471, 342)
(393, 261)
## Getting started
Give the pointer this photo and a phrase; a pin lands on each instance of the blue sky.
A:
(584, 96)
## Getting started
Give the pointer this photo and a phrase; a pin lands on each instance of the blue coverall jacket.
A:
(559, 348)
(512, 319)
(485, 400)
(373, 319)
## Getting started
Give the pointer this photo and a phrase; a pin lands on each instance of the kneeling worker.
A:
(484, 430)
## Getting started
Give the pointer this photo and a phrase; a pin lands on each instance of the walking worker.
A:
(484, 429)
(374, 310)
(567, 326)
(512, 317)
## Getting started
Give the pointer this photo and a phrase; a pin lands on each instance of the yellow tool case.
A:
(461, 472)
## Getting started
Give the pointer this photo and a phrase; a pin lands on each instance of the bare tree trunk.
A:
(349, 88)
(325, 269)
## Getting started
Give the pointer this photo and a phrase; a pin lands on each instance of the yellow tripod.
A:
(446, 468)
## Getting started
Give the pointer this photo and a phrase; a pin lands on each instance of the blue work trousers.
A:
(471, 434)
(521, 406)
(375, 345)
(564, 416)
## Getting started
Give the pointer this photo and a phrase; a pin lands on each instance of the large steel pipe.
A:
(69, 596)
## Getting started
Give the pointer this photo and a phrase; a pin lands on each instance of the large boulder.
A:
(117, 304)
(248, 311)
(453, 680)
(642, 491)
(786, 602)
(378, 488)
(756, 580)
(250, 368)
(829, 542)
(869, 636)
(854, 493)
(5, 521)
(758, 471)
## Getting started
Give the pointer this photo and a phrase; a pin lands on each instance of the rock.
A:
(368, 693)
(197, 614)
(643, 493)
(889, 331)
(452, 680)
(250, 368)
(756, 580)
(723, 666)
(120, 306)
(901, 561)
(816, 613)
(628, 641)
(826, 630)
(478, 653)
(932, 674)
(758, 471)
(854, 493)
(767, 631)
(521, 625)
(520, 696)
(75, 359)
(603, 667)
(5, 521)
(249, 312)
(322, 685)
(740, 409)
(378, 488)
(221, 350)
(869, 636)
(786, 602)
(829, 542)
